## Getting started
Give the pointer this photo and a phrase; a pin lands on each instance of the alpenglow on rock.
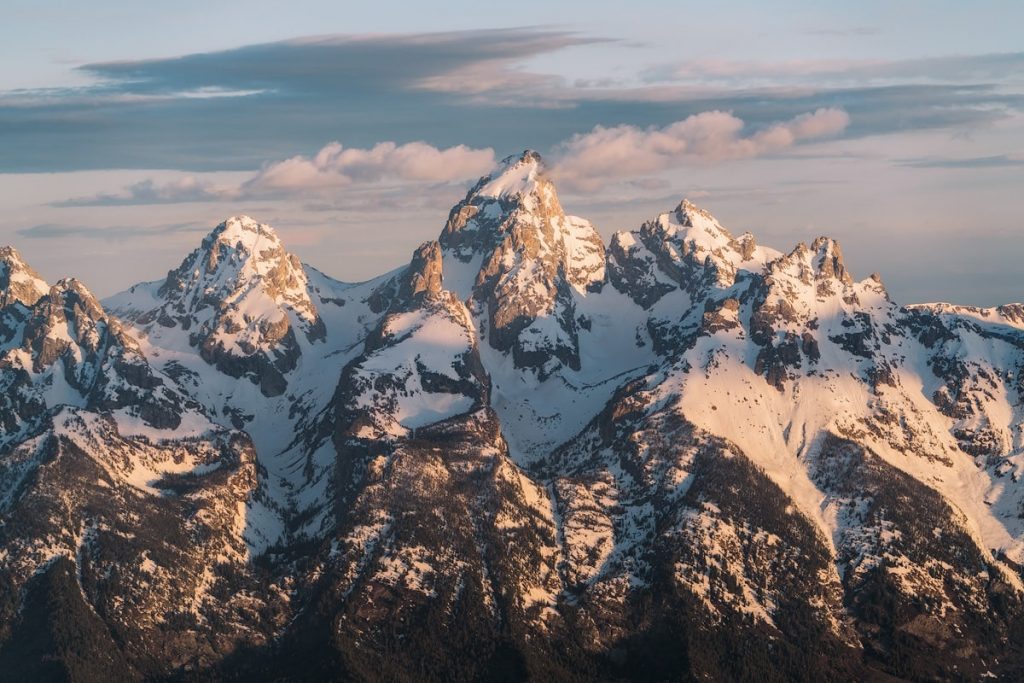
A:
(510, 247)
(526, 456)
(18, 282)
(242, 299)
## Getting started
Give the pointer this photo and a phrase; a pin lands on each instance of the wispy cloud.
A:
(117, 232)
(994, 161)
(148, 191)
(844, 31)
(590, 160)
(822, 73)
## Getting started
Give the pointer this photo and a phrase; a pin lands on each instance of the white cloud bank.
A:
(338, 166)
(333, 167)
(588, 161)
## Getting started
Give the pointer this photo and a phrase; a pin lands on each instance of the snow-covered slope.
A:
(259, 340)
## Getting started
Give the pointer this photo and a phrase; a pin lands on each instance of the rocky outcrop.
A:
(425, 277)
(65, 349)
(18, 282)
(531, 257)
(685, 250)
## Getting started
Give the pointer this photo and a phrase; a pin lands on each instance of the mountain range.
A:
(528, 454)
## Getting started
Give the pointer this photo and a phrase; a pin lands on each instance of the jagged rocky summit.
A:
(526, 455)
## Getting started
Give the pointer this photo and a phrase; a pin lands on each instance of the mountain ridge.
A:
(574, 459)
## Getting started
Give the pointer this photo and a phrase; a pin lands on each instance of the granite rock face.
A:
(18, 282)
(528, 257)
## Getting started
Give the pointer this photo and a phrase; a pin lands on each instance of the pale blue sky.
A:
(115, 155)
(40, 38)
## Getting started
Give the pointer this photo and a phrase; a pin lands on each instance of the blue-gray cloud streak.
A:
(116, 232)
(233, 109)
(972, 163)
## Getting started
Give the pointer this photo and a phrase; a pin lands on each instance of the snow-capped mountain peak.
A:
(66, 350)
(244, 231)
(238, 256)
(822, 260)
(519, 203)
(690, 215)
(240, 298)
(74, 289)
(18, 282)
(516, 175)
(511, 248)
(69, 314)
(517, 194)
(703, 237)
(242, 248)
(686, 250)
(67, 318)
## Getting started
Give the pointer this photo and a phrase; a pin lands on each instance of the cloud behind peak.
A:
(604, 155)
